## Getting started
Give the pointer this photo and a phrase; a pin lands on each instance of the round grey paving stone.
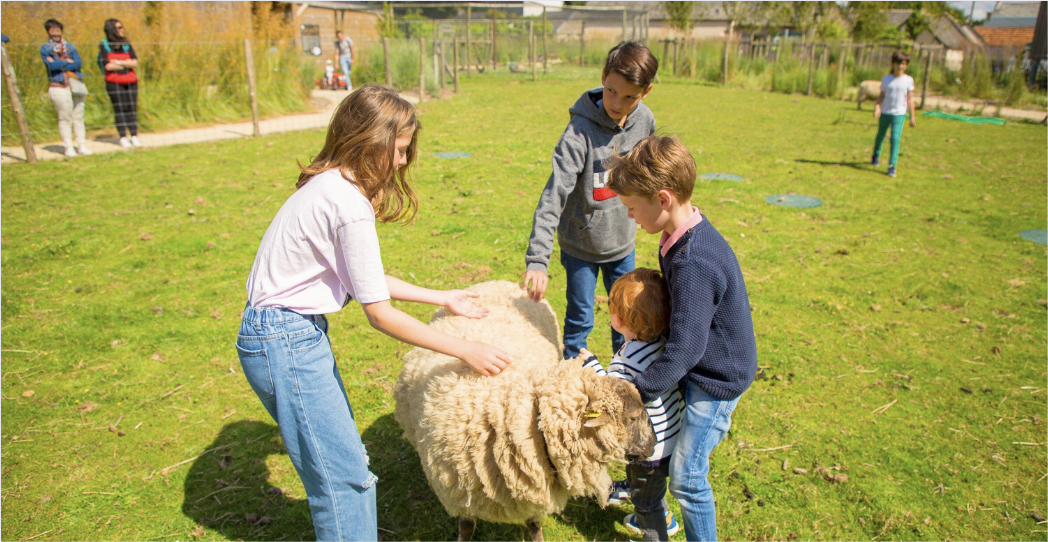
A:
(793, 200)
(1037, 236)
(721, 177)
(453, 155)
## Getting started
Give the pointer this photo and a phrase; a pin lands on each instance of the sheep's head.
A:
(640, 437)
(589, 421)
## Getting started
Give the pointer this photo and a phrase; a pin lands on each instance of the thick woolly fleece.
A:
(513, 447)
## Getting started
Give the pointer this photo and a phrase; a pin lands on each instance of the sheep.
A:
(515, 447)
(869, 90)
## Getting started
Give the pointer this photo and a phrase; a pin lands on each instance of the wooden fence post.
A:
(840, 71)
(443, 64)
(532, 51)
(623, 25)
(16, 104)
(811, 65)
(385, 58)
(494, 39)
(924, 78)
(545, 51)
(724, 64)
(251, 87)
(469, 36)
(421, 69)
(455, 54)
(582, 45)
(675, 47)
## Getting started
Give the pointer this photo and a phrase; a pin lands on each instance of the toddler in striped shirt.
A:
(640, 309)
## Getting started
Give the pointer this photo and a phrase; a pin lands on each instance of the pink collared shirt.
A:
(668, 240)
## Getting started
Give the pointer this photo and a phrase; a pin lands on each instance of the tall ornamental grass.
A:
(192, 66)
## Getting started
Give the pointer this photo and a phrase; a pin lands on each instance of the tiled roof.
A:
(996, 37)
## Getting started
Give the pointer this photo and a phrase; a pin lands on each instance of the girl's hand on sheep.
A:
(458, 302)
(484, 358)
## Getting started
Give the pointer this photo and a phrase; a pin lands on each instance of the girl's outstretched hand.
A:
(458, 302)
(485, 359)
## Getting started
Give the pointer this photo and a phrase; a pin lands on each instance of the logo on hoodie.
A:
(601, 191)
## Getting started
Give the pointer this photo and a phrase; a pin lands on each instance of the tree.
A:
(917, 24)
(871, 20)
(679, 15)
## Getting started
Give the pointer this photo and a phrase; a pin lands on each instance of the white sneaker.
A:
(125, 142)
(85, 151)
(70, 152)
(135, 141)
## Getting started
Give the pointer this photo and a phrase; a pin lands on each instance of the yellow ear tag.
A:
(593, 414)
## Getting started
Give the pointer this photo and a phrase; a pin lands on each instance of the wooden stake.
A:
(385, 56)
(421, 69)
(252, 88)
(23, 126)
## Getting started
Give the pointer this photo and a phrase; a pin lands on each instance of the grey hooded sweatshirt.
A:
(590, 222)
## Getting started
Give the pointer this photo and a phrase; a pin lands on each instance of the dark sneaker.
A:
(672, 527)
(891, 171)
(876, 160)
(619, 493)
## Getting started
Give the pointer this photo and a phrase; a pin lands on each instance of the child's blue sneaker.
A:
(619, 492)
(672, 527)
(891, 171)
(876, 160)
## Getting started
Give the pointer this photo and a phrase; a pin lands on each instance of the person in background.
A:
(344, 47)
(895, 100)
(118, 61)
(63, 62)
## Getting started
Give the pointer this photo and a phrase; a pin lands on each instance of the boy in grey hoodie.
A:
(594, 232)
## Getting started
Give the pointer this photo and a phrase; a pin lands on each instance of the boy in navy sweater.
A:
(711, 353)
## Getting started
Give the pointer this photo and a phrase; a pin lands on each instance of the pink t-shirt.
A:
(320, 250)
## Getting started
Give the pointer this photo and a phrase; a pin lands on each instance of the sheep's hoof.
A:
(466, 527)
(535, 527)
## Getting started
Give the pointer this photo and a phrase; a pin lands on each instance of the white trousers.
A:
(70, 115)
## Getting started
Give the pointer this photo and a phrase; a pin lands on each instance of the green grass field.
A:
(900, 326)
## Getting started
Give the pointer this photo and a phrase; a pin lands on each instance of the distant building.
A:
(1009, 29)
(955, 38)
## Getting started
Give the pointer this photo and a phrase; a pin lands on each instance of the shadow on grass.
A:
(861, 166)
(228, 490)
(409, 510)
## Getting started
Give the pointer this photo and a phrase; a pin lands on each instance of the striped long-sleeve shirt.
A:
(667, 410)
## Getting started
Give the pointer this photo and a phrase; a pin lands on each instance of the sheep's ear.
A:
(595, 419)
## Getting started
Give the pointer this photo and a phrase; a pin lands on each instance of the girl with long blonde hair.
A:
(320, 253)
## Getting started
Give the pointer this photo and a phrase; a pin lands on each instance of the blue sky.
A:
(981, 8)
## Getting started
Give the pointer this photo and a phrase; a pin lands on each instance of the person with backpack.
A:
(118, 61)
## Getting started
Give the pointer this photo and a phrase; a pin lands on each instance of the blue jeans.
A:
(287, 360)
(581, 288)
(346, 63)
(706, 421)
(894, 122)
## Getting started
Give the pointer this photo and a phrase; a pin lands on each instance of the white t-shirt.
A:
(895, 90)
(320, 250)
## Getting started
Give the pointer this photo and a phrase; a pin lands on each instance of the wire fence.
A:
(196, 84)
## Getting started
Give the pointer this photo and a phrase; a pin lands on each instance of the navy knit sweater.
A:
(711, 338)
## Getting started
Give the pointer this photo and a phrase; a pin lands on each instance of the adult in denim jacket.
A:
(61, 58)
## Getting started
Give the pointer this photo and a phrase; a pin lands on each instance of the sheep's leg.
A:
(535, 527)
(466, 527)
